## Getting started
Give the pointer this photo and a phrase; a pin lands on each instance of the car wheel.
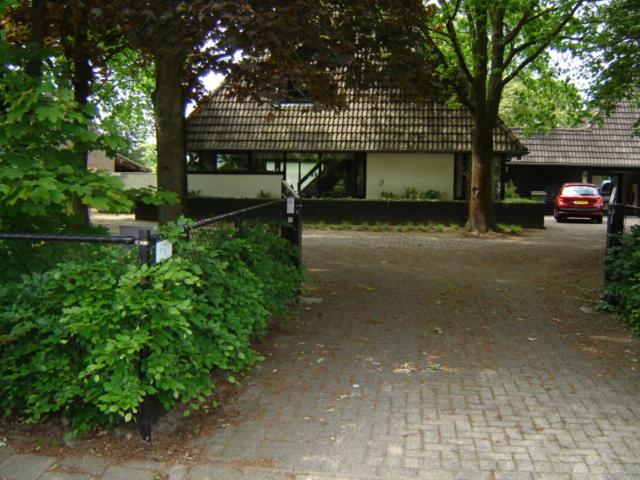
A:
(597, 220)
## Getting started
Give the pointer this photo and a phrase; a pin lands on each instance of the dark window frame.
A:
(251, 160)
(357, 188)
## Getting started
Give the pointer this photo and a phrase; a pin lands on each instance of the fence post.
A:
(145, 414)
(615, 228)
(292, 229)
(297, 222)
(615, 219)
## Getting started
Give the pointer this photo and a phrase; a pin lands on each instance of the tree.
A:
(612, 52)
(187, 39)
(43, 132)
(75, 34)
(484, 45)
(539, 101)
(122, 93)
(180, 38)
(468, 49)
(36, 41)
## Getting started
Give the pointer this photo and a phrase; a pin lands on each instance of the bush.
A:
(510, 191)
(71, 338)
(622, 289)
(410, 193)
(20, 257)
(389, 195)
(430, 195)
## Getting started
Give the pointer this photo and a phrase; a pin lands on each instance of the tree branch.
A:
(519, 49)
(543, 45)
(480, 54)
(497, 57)
(455, 43)
(461, 84)
(526, 19)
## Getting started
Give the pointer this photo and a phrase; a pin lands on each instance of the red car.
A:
(579, 200)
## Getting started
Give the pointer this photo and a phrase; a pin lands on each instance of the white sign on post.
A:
(164, 250)
(291, 203)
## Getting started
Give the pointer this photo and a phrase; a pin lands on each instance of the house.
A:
(589, 153)
(99, 160)
(382, 143)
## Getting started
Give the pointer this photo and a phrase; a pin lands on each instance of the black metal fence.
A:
(284, 215)
(621, 221)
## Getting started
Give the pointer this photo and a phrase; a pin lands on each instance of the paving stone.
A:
(6, 453)
(118, 472)
(65, 476)
(224, 472)
(144, 465)
(91, 465)
(25, 467)
(177, 472)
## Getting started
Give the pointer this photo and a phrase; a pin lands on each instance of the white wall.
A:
(422, 171)
(235, 186)
(136, 179)
(98, 160)
(238, 186)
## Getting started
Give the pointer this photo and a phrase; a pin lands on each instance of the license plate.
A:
(581, 202)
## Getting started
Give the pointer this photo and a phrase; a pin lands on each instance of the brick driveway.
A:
(430, 356)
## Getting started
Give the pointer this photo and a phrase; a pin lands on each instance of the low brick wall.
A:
(528, 215)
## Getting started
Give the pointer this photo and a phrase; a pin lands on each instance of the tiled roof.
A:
(611, 144)
(126, 164)
(380, 121)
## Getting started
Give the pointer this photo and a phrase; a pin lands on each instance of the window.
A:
(267, 161)
(232, 162)
(579, 191)
(293, 94)
(201, 162)
(209, 161)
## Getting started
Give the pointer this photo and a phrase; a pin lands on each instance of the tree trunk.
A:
(481, 212)
(167, 102)
(82, 79)
(36, 45)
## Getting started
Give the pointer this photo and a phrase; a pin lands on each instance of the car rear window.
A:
(579, 191)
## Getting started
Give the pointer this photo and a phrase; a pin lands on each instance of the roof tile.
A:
(382, 120)
(612, 144)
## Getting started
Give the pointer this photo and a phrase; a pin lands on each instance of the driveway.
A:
(430, 356)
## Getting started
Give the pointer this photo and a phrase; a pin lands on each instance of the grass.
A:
(383, 227)
(511, 229)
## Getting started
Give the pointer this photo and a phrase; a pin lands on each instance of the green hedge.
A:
(71, 338)
(622, 290)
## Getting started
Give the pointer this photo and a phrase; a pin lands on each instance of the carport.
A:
(589, 153)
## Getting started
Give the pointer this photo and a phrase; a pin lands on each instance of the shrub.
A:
(20, 257)
(263, 194)
(71, 338)
(410, 193)
(511, 228)
(622, 289)
(510, 191)
(389, 195)
(430, 195)
(152, 196)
